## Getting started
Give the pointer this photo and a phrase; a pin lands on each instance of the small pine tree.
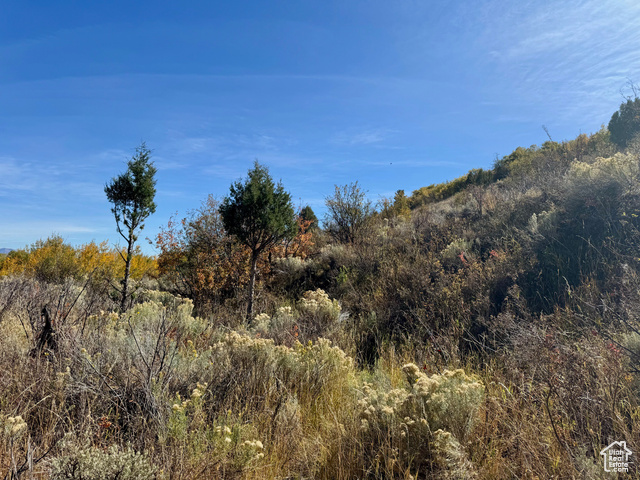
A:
(132, 194)
(260, 214)
(625, 123)
(308, 215)
(401, 205)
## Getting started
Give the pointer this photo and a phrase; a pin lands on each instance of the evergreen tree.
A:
(307, 214)
(625, 123)
(132, 195)
(260, 214)
(401, 204)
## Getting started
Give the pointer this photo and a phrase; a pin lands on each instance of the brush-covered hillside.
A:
(482, 328)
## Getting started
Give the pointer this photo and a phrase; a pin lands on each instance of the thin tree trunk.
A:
(127, 270)
(252, 282)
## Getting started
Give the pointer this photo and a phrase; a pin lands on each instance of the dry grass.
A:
(170, 397)
(492, 336)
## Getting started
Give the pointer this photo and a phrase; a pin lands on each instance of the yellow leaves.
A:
(54, 260)
(143, 266)
(14, 264)
(92, 255)
(100, 261)
(49, 260)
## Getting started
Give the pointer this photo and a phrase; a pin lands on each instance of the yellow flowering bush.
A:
(186, 414)
(281, 327)
(14, 427)
(315, 315)
(621, 167)
(85, 462)
(178, 311)
(423, 423)
(448, 401)
(262, 322)
(318, 303)
(254, 363)
(319, 314)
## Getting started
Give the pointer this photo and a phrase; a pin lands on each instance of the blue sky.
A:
(395, 94)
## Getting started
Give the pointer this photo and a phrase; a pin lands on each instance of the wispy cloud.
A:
(228, 156)
(560, 62)
(109, 156)
(30, 180)
(359, 138)
(15, 236)
(14, 177)
(162, 163)
(571, 27)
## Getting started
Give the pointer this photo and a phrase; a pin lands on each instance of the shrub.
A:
(349, 214)
(255, 362)
(420, 428)
(304, 390)
(319, 314)
(84, 462)
(281, 327)
(200, 260)
(457, 252)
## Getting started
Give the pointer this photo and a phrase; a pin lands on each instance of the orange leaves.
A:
(298, 246)
(104, 423)
(201, 260)
(198, 257)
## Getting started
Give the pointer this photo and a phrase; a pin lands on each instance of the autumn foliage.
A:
(53, 260)
(484, 328)
(199, 259)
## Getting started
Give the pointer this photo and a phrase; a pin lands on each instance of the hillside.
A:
(486, 327)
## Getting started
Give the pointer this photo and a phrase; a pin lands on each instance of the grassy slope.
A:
(491, 333)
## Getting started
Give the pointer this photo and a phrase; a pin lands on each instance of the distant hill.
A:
(5, 250)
